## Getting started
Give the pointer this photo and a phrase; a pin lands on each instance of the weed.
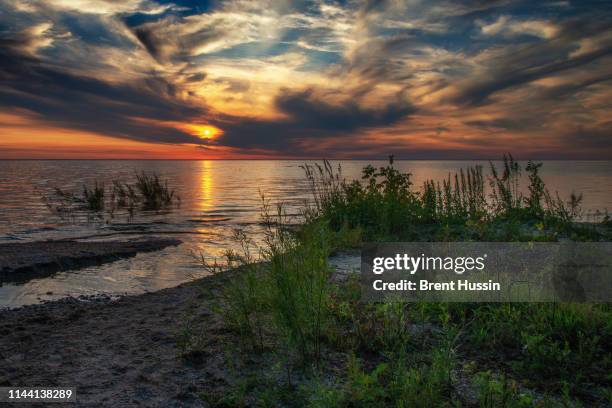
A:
(289, 300)
(154, 194)
(147, 193)
(94, 198)
(299, 282)
(382, 206)
(503, 393)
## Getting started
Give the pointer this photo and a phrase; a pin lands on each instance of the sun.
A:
(204, 131)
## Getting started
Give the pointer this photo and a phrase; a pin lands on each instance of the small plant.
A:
(505, 193)
(244, 300)
(154, 194)
(147, 193)
(123, 195)
(299, 282)
(94, 198)
(191, 346)
(537, 190)
(502, 393)
(455, 202)
(326, 186)
(284, 290)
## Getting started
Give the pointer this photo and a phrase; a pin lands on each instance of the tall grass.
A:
(154, 193)
(386, 206)
(147, 192)
(123, 195)
(459, 198)
(244, 299)
(299, 283)
(94, 198)
(91, 199)
(283, 288)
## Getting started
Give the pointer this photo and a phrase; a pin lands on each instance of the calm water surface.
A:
(216, 198)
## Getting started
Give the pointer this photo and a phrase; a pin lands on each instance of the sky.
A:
(420, 79)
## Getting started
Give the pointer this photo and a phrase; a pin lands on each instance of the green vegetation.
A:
(320, 345)
(385, 207)
(147, 193)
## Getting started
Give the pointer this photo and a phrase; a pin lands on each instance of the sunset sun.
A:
(203, 131)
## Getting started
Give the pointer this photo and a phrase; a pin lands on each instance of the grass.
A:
(91, 199)
(289, 297)
(333, 350)
(94, 198)
(147, 193)
(385, 206)
(154, 194)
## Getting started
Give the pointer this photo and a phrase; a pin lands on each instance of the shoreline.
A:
(116, 351)
(21, 262)
(124, 350)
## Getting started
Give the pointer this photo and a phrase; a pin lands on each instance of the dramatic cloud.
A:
(309, 116)
(419, 78)
(74, 101)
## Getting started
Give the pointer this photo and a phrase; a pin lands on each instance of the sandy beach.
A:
(123, 351)
(116, 352)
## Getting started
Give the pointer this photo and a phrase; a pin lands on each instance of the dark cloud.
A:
(378, 60)
(197, 77)
(150, 41)
(525, 64)
(72, 101)
(594, 139)
(173, 39)
(507, 123)
(309, 115)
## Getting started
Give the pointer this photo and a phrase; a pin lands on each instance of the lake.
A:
(217, 197)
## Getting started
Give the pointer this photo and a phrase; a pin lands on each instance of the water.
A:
(216, 198)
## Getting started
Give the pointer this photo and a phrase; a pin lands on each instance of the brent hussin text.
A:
(425, 285)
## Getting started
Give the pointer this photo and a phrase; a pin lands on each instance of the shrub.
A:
(299, 283)
(383, 206)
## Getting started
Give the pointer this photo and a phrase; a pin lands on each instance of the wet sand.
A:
(20, 262)
(123, 351)
(117, 351)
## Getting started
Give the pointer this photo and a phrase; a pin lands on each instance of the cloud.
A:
(308, 115)
(590, 140)
(282, 77)
(519, 65)
(80, 102)
(109, 6)
(508, 27)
